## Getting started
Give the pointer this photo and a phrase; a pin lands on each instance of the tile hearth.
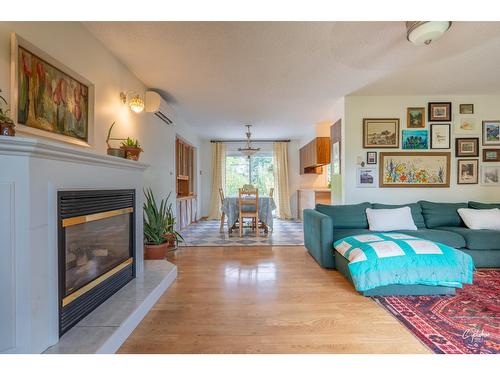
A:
(107, 327)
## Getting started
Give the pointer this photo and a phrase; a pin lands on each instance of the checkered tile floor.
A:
(206, 233)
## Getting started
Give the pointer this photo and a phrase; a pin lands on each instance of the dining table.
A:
(231, 208)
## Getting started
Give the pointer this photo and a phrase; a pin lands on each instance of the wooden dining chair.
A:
(223, 215)
(249, 208)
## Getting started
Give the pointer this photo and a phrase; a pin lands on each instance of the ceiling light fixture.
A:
(135, 102)
(248, 150)
(424, 32)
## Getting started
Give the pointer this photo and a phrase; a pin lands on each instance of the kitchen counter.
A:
(309, 197)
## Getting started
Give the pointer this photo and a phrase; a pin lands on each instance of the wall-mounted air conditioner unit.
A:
(157, 105)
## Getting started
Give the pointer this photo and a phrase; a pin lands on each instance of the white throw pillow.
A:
(387, 219)
(480, 219)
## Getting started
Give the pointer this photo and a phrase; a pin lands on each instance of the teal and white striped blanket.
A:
(380, 259)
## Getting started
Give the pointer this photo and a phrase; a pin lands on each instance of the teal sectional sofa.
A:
(438, 222)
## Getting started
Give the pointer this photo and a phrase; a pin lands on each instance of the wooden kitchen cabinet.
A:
(315, 155)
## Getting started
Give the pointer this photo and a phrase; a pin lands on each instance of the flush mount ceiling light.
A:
(424, 32)
(135, 102)
(248, 150)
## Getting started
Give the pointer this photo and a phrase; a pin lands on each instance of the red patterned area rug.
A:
(466, 323)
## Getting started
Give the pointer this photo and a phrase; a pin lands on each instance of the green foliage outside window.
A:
(256, 170)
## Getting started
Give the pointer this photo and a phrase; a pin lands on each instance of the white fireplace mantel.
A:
(31, 173)
(39, 148)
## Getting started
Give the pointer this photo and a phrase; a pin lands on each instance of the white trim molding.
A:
(31, 147)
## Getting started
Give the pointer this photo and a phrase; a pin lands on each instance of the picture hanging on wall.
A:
(371, 157)
(466, 126)
(440, 136)
(366, 177)
(467, 147)
(415, 117)
(439, 111)
(48, 98)
(467, 171)
(491, 133)
(415, 140)
(490, 175)
(414, 169)
(491, 154)
(466, 109)
(381, 133)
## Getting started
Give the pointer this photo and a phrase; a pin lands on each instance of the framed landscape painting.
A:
(439, 111)
(415, 140)
(467, 147)
(490, 176)
(381, 133)
(491, 154)
(468, 171)
(414, 169)
(415, 117)
(491, 133)
(48, 98)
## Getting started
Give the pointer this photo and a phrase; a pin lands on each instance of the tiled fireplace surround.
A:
(31, 173)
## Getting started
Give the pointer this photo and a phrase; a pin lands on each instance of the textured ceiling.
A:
(284, 77)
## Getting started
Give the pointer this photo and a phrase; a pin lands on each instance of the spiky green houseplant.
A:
(155, 219)
(171, 234)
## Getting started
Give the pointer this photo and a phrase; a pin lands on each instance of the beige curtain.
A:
(281, 179)
(218, 178)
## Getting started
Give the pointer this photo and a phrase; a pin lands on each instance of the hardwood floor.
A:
(264, 300)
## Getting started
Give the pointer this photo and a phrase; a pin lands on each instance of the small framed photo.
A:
(441, 136)
(381, 133)
(491, 154)
(415, 117)
(371, 157)
(439, 111)
(467, 147)
(491, 133)
(466, 126)
(367, 177)
(466, 109)
(468, 171)
(415, 140)
(490, 175)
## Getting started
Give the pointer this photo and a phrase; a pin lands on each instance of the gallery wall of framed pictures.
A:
(429, 142)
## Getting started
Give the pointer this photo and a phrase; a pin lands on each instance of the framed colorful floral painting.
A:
(48, 98)
(414, 169)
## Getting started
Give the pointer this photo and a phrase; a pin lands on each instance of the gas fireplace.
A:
(96, 249)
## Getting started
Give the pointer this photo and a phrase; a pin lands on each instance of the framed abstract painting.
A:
(414, 169)
(48, 99)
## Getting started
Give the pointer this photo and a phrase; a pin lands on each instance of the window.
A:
(256, 170)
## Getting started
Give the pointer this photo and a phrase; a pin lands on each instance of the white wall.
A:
(71, 44)
(359, 107)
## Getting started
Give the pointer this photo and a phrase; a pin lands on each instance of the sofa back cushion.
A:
(416, 211)
(349, 216)
(442, 214)
(483, 206)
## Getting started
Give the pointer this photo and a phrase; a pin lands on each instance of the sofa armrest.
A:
(318, 237)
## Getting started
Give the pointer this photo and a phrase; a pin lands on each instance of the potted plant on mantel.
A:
(173, 237)
(6, 123)
(155, 227)
(132, 148)
(113, 151)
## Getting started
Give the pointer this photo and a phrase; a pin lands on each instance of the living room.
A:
(205, 185)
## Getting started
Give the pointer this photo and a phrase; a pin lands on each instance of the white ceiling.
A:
(284, 77)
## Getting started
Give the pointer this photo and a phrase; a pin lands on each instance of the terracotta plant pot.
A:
(155, 252)
(171, 244)
(132, 153)
(7, 129)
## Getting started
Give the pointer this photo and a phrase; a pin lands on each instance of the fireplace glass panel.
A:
(93, 248)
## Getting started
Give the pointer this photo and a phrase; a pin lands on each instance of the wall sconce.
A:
(135, 102)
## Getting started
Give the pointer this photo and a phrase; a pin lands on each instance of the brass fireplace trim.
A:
(96, 282)
(93, 217)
